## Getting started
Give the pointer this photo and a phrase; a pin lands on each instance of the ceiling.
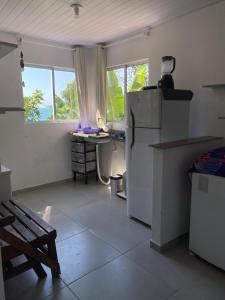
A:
(99, 21)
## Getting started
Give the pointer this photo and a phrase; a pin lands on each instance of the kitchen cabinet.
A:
(83, 158)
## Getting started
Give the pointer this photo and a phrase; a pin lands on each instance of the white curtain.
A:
(80, 68)
(101, 87)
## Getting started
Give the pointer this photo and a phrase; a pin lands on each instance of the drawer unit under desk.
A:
(82, 147)
(80, 157)
(80, 168)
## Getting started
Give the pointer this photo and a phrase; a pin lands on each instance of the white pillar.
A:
(172, 188)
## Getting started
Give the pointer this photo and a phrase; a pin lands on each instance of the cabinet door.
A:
(207, 222)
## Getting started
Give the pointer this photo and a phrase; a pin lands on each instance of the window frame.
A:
(52, 69)
(125, 66)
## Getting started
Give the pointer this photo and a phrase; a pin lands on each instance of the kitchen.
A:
(196, 39)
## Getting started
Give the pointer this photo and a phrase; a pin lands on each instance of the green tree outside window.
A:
(31, 106)
(115, 94)
(38, 103)
(67, 103)
(137, 78)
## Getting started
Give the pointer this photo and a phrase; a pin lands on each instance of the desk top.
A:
(98, 138)
(89, 135)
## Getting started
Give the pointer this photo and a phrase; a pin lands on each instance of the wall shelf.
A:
(216, 85)
(3, 110)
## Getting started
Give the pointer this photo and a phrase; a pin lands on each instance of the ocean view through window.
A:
(49, 94)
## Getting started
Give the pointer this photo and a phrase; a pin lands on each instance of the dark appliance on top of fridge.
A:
(167, 67)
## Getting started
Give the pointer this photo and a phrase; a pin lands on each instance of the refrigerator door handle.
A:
(133, 129)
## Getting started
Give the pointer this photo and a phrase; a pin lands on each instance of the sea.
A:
(46, 113)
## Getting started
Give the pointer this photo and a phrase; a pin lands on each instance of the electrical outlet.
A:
(203, 183)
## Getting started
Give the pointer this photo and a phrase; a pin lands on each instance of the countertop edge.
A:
(184, 142)
(4, 170)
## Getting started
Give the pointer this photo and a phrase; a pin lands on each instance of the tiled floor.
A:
(106, 256)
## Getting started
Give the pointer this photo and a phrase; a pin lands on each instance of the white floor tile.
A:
(93, 231)
(109, 223)
(62, 294)
(65, 226)
(199, 291)
(176, 267)
(121, 279)
(27, 286)
(82, 254)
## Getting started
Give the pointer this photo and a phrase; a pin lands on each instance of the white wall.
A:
(197, 41)
(37, 153)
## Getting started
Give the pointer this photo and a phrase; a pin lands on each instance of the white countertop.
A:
(4, 170)
(90, 135)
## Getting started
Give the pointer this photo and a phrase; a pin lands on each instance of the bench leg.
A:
(37, 267)
(53, 254)
(74, 176)
(8, 265)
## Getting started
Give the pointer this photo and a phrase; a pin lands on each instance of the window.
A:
(115, 94)
(120, 80)
(66, 97)
(38, 96)
(49, 94)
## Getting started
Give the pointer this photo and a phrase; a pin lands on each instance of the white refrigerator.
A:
(150, 119)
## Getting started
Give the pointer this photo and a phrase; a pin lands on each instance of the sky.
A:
(38, 78)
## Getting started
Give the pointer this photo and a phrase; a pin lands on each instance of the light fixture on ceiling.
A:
(76, 6)
(147, 31)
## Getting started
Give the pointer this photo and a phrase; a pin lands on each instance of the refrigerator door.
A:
(139, 160)
(143, 109)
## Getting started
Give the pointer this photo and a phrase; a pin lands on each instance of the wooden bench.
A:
(22, 232)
